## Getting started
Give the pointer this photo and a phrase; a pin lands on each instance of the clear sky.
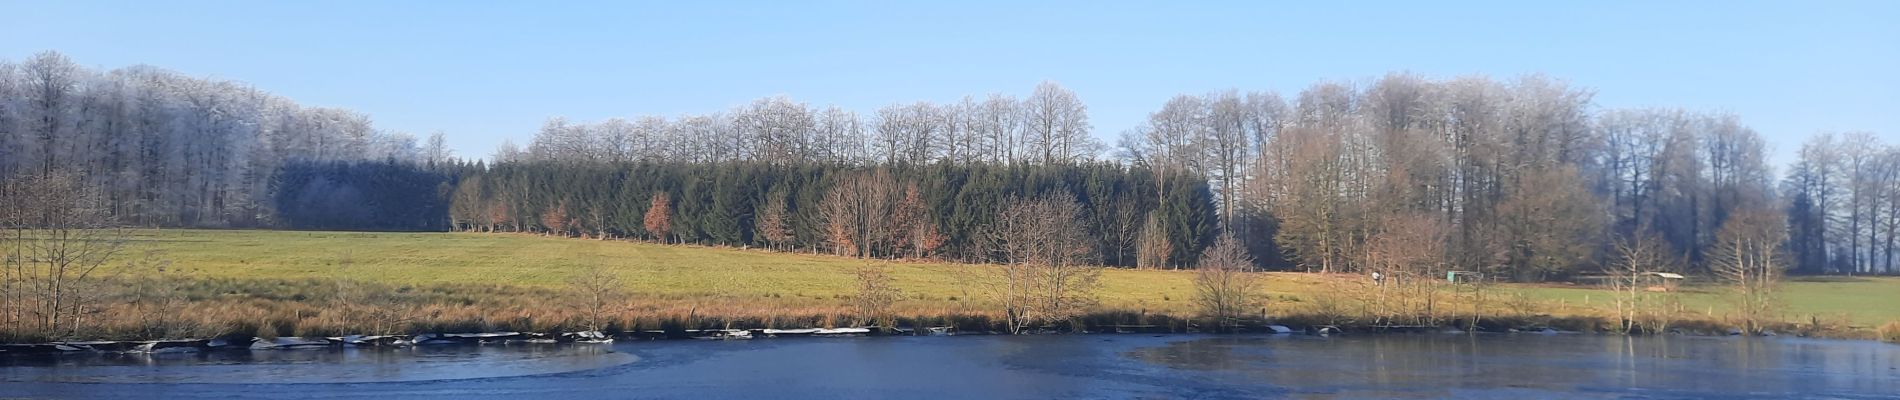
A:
(484, 71)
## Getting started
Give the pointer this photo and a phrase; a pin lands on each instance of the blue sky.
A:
(484, 71)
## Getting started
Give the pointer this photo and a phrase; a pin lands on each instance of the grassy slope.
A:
(1862, 301)
(423, 259)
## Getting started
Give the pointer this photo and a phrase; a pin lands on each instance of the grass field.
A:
(423, 259)
(326, 283)
(1861, 301)
(651, 270)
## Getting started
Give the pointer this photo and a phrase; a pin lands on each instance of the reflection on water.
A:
(1460, 365)
(988, 367)
(418, 363)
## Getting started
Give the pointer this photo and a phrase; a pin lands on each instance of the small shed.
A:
(1662, 281)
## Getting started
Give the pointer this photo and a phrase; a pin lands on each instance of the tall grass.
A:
(314, 307)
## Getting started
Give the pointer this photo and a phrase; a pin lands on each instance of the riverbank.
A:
(319, 284)
(271, 324)
(247, 342)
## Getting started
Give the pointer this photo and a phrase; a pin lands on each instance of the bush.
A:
(1890, 332)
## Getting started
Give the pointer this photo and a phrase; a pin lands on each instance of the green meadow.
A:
(420, 260)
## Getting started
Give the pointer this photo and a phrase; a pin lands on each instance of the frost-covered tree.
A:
(162, 148)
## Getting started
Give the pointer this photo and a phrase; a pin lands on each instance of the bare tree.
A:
(875, 296)
(999, 122)
(781, 127)
(598, 288)
(1171, 141)
(1857, 162)
(620, 141)
(1552, 229)
(959, 139)
(466, 206)
(1748, 256)
(841, 137)
(12, 157)
(1407, 255)
(1119, 225)
(1228, 148)
(1813, 181)
(1632, 142)
(856, 212)
(1045, 251)
(1214, 135)
(52, 81)
(58, 241)
(1304, 192)
(1637, 259)
(1058, 125)
(437, 150)
(774, 223)
(908, 133)
(1153, 248)
(507, 151)
(1224, 289)
(562, 141)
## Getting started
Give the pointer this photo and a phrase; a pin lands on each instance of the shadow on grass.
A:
(1828, 279)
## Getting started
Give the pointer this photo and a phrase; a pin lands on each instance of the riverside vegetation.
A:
(293, 283)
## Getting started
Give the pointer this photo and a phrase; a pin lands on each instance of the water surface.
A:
(1078, 366)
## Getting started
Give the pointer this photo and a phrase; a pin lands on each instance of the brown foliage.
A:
(775, 221)
(1306, 173)
(1412, 244)
(659, 217)
(915, 228)
(555, 219)
(497, 214)
(1549, 229)
(874, 296)
(857, 212)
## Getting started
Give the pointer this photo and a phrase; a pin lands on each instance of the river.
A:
(1518, 366)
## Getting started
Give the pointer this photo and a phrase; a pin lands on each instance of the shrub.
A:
(1890, 332)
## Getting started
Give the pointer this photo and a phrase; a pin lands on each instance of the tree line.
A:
(880, 211)
(1521, 179)
(166, 149)
(1844, 205)
(1051, 126)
